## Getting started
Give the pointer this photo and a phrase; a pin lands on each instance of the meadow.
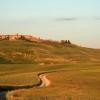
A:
(68, 81)
(73, 71)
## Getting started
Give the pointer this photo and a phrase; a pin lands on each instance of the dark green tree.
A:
(69, 42)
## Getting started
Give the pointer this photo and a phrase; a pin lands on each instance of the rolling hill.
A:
(23, 59)
(45, 52)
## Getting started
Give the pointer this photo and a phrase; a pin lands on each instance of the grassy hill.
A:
(45, 52)
(78, 69)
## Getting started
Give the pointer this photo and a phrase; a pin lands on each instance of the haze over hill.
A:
(28, 49)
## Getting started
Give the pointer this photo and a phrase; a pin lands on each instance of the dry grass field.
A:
(73, 71)
(76, 82)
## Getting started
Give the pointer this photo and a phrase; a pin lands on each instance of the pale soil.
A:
(45, 81)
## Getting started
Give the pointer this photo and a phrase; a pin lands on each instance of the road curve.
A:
(45, 82)
(9, 90)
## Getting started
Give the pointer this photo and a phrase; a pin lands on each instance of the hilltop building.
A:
(18, 37)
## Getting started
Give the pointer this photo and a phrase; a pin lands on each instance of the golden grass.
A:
(19, 79)
(21, 52)
(72, 84)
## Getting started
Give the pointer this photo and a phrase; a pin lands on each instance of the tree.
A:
(66, 41)
(69, 42)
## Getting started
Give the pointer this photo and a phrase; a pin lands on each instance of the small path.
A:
(44, 81)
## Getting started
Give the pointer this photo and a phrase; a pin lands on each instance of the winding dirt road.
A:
(45, 82)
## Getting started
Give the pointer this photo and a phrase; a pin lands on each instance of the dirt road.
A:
(44, 81)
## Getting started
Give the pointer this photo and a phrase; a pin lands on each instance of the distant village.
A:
(31, 38)
(18, 37)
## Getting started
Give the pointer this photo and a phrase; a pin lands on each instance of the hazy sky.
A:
(76, 20)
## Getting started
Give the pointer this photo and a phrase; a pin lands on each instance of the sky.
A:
(74, 20)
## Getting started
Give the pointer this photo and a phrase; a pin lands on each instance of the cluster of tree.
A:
(67, 42)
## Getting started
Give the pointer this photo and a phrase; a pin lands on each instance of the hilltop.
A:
(19, 37)
(29, 49)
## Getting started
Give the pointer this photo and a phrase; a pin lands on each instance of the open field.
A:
(72, 72)
(68, 82)
(14, 73)
(76, 82)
